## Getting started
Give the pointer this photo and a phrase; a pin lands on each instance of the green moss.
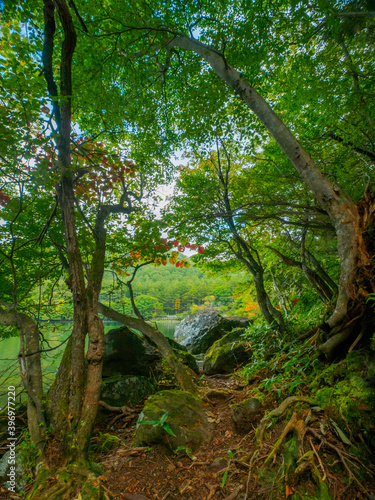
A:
(353, 363)
(91, 491)
(290, 455)
(323, 397)
(186, 418)
(226, 353)
(350, 399)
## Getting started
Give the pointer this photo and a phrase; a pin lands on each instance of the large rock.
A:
(126, 353)
(200, 330)
(131, 364)
(246, 415)
(126, 389)
(186, 418)
(227, 353)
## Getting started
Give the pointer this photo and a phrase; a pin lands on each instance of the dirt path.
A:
(158, 474)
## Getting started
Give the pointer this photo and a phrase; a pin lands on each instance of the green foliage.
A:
(288, 361)
(183, 450)
(231, 455)
(159, 423)
(103, 443)
(28, 455)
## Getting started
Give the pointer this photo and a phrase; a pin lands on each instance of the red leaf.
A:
(4, 199)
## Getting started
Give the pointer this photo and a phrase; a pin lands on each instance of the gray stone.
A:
(186, 418)
(246, 414)
(200, 330)
(126, 389)
(227, 353)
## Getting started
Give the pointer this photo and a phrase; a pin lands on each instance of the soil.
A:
(158, 473)
(220, 470)
(211, 473)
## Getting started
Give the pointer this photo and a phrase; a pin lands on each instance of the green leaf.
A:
(224, 478)
(169, 430)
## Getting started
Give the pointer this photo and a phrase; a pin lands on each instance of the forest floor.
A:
(212, 473)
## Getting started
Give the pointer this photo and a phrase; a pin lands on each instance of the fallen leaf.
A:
(288, 491)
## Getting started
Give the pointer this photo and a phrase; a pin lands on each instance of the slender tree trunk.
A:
(183, 375)
(31, 373)
(132, 301)
(319, 269)
(340, 208)
(320, 286)
(270, 313)
(74, 420)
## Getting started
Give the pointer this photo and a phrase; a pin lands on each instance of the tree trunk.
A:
(183, 375)
(31, 373)
(340, 208)
(320, 286)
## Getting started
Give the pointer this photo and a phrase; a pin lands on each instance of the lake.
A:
(56, 334)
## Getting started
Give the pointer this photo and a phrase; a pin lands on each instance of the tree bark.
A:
(182, 374)
(340, 208)
(31, 373)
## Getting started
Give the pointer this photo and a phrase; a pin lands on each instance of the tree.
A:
(89, 192)
(207, 200)
(224, 40)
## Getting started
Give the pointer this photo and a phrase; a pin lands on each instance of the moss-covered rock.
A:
(246, 414)
(227, 353)
(343, 389)
(186, 418)
(200, 330)
(126, 353)
(127, 389)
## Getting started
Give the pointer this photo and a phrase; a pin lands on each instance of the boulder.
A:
(131, 364)
(186, 418)
(200, 330)
(125, 390)
(227, 353)
(246, 415)
(126, 353)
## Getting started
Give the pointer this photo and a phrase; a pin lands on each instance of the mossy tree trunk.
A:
(183, 375)
(31, 373)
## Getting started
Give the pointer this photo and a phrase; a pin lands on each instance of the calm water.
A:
(56, 334)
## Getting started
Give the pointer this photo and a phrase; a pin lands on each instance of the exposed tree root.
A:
(292, 424)
(289, 427)
(72, 481)
(345, 458)
(125, 410)
(277, 412)
(311, 461)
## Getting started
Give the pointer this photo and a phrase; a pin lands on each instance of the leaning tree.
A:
(311, 63)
